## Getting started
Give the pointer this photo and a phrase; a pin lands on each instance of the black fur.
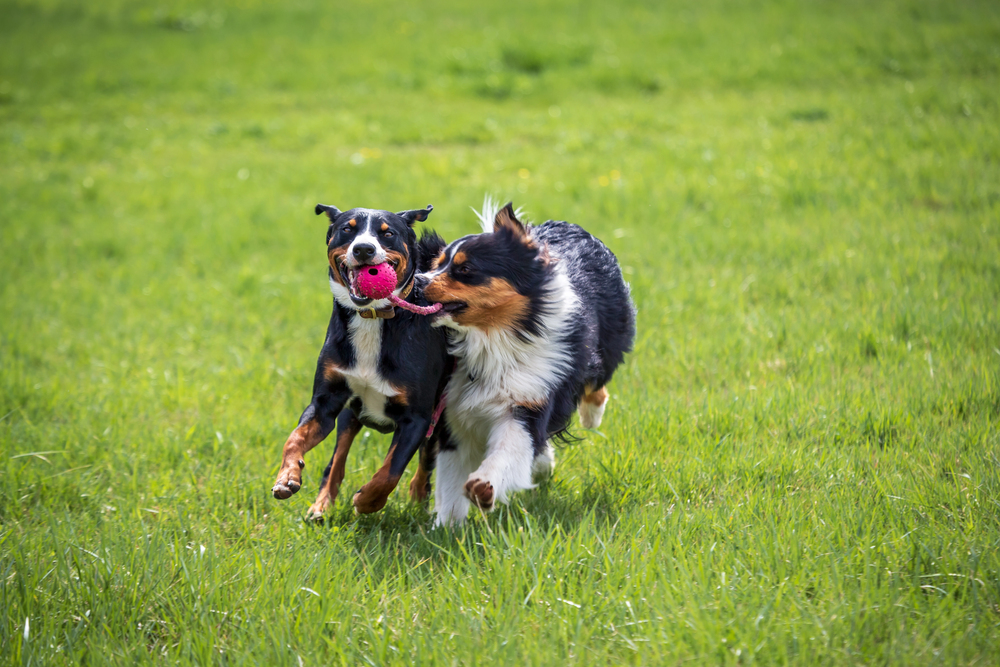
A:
(603, 328)
(413, 355)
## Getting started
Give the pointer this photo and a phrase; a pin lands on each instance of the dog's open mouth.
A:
(348, 275)
(453, 307)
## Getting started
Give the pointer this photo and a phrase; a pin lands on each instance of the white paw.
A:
(543, 465)
(450, 517)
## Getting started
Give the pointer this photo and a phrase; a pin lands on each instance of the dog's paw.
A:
(289, 479)
(452, 518)
(370, 498)
(480, 492)
(544, 465)
(318, 510)
(591, 408)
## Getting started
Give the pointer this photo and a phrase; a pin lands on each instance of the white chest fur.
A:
(498, 370)
(363, 377)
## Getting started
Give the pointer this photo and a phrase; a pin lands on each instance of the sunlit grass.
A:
(799, 462)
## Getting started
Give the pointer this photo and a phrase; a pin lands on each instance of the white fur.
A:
(544, 464)
(366, 338)
(366, 235)
(590, 414)
(450, 504)
(496, 371)
(363, 377)
(340, 292)
(487, 217)
(507, 465)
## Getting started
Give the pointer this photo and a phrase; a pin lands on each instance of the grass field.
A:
(799, 464)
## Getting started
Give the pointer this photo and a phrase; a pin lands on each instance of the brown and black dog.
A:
(380, 366)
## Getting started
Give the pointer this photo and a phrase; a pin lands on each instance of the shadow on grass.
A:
(550, 510)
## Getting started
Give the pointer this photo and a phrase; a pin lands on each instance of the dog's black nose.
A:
(421, 281)
(363, 251)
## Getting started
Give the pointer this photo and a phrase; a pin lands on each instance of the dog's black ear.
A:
(506, 219)
(331, 211)
(416, 215)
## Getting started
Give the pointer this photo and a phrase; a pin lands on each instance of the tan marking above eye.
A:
(459, 258)
(384, 226)
(352, 223)
(439, 260)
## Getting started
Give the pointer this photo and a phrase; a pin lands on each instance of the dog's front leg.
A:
(506, 468)
(410, 431)
(315, 424)
(455, 461)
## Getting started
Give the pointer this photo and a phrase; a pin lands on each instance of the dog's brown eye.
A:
(387, 235)
(347, 228)
(462, 270)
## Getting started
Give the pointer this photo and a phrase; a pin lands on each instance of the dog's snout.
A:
(421, 281)
(363, 251)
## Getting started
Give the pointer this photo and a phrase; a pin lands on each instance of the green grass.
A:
(799, 464)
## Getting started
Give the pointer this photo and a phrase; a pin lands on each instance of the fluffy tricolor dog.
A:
(380, 366)
(540, 318)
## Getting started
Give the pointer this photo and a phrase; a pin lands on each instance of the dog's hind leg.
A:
(420, 485)
(592, 406)
(410, 432)
(544, 463)
(348, 428)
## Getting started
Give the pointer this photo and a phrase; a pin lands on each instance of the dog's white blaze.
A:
(434, 273)
(366, 235)
(363, 377)
(496, 372)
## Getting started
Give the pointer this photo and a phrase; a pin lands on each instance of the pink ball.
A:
(376, 282)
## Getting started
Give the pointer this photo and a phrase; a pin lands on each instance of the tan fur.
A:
(335, 255)
(331, 489)
(594, 397)
(495, 304)
(401, 264)
(331, 371)
(505, 218)
(372, 496)
(420, 484)
(301, 440)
